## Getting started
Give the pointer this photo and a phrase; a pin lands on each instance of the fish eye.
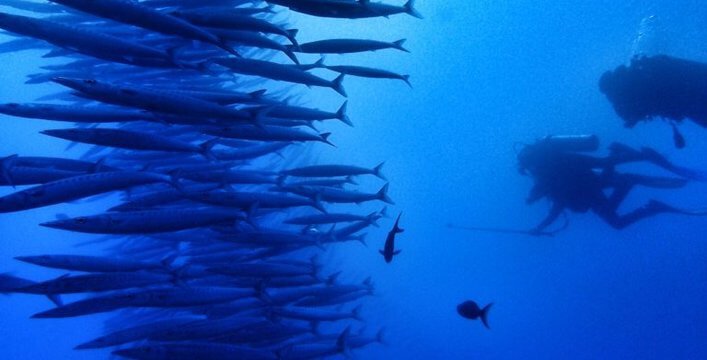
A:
(89, 81)
(81, 220)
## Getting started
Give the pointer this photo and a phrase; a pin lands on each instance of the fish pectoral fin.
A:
(396, 252)
(382, 252)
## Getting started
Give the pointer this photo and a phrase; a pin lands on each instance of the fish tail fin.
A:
(373, 218)
(377, 171)
(342, 342)
(175, 180)
(319, 63)
(406, 78)
(257, 94)
(317, 203)
(325, 138)
(167, 261)
(380, 337)
(485, 314)
(383, 195)
(56, 299)
(291, 35)
(280, 180)
(290, 52)
(361, 238)
(410, 9)
(341, 114)
(206, 147)
(331, 280)
(338, 86)
(399, 45)
(223, 44)
(98, 165)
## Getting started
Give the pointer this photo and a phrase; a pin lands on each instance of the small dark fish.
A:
(470, 310)
(388, 250)
(678, 139)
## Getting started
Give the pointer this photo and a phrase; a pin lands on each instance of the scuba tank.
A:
(547, 147)
(572, 143)
(648, 38)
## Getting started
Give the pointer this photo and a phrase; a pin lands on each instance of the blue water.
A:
(485, 75)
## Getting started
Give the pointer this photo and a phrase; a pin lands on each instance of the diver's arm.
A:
(549, 219)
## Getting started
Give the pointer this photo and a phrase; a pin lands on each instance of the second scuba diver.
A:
(573, 180)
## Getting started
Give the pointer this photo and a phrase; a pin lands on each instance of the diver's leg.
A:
(658, 182)
(621, 185)
(650, 209)
(624, 183)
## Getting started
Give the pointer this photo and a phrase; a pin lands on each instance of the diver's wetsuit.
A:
(576, 181)
(658, 86)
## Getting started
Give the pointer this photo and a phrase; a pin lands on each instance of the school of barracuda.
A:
(190, 105)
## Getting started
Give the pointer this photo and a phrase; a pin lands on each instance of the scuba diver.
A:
(573, 180)
(658, 86)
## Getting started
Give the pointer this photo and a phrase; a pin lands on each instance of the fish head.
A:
(76, 84)
(79, 135)
(80, 223)
(40, 260)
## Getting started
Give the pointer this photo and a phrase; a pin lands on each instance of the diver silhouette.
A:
(658, 86)
(573, 180)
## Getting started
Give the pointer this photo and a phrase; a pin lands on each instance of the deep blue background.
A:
(485, 76)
